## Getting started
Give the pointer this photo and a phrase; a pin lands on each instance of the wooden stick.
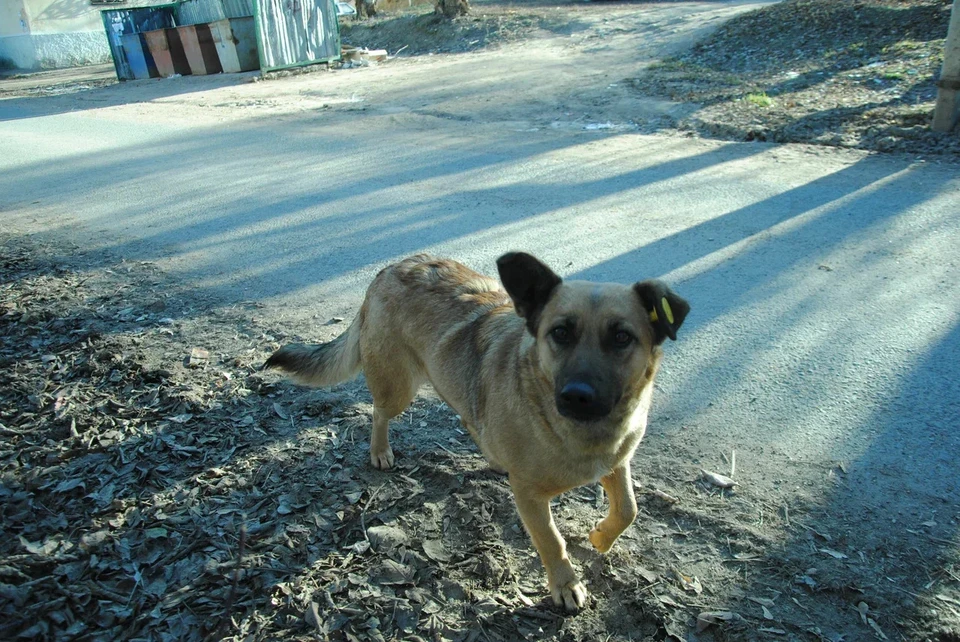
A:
(221, 631)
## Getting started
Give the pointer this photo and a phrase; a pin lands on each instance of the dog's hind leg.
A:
(393, 387)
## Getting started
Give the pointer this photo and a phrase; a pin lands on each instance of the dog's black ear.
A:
(529, 283)
(667, 310)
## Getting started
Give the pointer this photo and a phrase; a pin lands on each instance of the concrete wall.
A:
(49, 34)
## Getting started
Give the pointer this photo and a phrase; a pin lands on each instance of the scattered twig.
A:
(941, 540)
(445, 448)
(221, 629)
(545, 616)
(363, 511)
(950, 573)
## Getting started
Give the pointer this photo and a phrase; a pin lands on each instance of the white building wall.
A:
(50, 34)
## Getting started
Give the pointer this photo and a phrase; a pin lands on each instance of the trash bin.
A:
(245, 39)
(177, 54)
(191, 47)
(226, 47)
(160, 50)
(208, 49)
(138, 56)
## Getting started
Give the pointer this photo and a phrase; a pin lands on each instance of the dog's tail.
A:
(325, 364)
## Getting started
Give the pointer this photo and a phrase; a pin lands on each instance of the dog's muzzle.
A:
(579, 400)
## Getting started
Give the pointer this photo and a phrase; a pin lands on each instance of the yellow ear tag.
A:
(667, 310)
(653, 315)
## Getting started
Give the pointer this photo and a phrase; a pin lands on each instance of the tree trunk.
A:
(945, 111)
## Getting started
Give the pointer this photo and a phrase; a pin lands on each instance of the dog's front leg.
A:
(623, 508)
(565, 588)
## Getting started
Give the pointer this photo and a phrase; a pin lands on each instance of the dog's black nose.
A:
(579, 400)
(578, 393)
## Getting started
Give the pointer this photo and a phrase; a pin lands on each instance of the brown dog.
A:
(553, 381)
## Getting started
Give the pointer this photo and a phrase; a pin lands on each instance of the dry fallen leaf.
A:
(835, 554)
(47, 548)
(709, 618)
(688, 583)
(647, 574)
(659, 494)
(526, 601)
(390, 572)
(715, 479)
(435, 551)
(312, 616)
(876, 627)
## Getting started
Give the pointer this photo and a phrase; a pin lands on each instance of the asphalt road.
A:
(824, 283)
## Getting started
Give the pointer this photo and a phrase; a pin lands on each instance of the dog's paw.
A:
(601, 540)
(571, 596)
(382, 459)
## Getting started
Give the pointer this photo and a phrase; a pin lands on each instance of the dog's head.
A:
(599, 343)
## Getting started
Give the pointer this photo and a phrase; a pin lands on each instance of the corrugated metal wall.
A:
(297, 32)
(195, 12)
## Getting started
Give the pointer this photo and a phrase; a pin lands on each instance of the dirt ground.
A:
(850, 74)
(157, 485)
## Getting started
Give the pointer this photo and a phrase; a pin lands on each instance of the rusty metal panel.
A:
(160, 50)
(292, 33)
(226, 46)
(200, 49)
(191, 47)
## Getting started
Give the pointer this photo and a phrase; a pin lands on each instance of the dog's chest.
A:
(598, 470)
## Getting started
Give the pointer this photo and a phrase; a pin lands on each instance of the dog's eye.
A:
(561, 335)
(622, 338)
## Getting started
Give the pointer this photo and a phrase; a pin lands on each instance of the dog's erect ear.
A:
(667, 310)
(529, 283)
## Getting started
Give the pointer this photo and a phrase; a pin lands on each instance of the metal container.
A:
(138, 56)
(191, 47)
(226, 46)
(208, 49)
(177, 54)
(120, 22)
(160, 50)
(245, 39)
(200, 50)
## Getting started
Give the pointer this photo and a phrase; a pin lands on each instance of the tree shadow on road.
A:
(821, 348)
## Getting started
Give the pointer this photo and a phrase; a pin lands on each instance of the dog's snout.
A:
(578, 393)
(580, 400)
